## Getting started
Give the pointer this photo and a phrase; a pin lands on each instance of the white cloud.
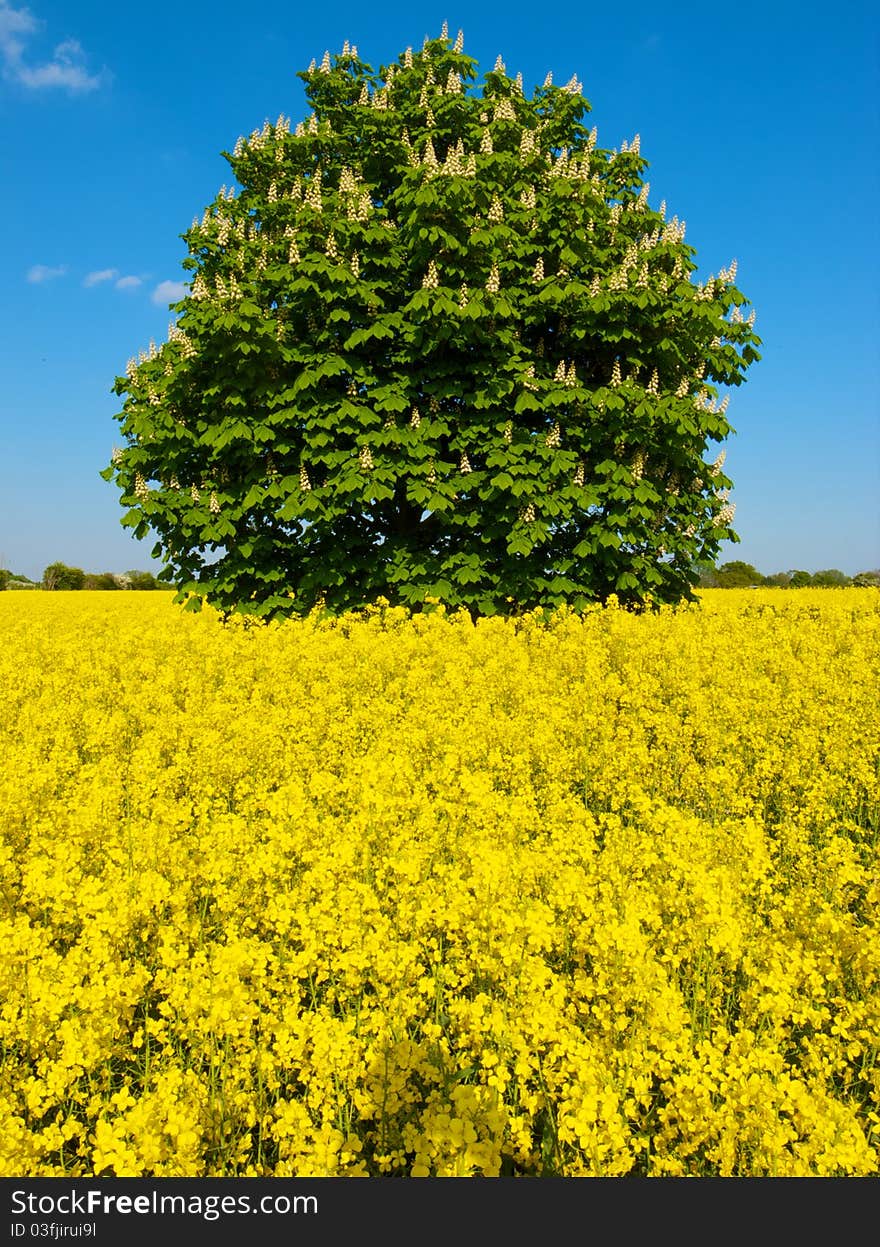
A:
(66, 68)
(16, 20)
(170, 292)
(43, 272)
(104, 274)
(128, 283)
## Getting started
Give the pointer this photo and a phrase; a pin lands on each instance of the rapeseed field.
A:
(574, 895)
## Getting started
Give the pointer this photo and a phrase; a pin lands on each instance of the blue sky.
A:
(762, 131)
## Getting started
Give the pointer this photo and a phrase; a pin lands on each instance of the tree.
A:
(141, 580)
(832, 577)
(5, 578)
(738, 575)
(439, 345)
(868, 579)
(100, 580)
(60, 576)
(799, 579)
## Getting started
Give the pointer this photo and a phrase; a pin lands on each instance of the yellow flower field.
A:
(577, 895)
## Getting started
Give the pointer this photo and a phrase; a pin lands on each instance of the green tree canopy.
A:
(868, 578)
(142, 580)
(737, 575)
(60, 576)
(831, 577)
(437, 344)
(100, 580)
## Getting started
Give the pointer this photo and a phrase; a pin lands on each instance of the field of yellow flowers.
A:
(574, 895)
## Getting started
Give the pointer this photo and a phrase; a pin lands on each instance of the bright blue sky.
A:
(761, 127)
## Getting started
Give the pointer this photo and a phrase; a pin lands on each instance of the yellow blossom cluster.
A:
(570, 894)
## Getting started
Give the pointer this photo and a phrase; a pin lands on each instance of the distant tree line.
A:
(739, 575)
(735, 575)
(60, 576)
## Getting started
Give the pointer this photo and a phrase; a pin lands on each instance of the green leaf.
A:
(253, 496)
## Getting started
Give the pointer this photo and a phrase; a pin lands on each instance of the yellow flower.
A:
(586, 892)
